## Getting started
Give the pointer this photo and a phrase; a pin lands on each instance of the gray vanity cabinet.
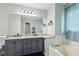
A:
(37, 45)
(17, 47)
(34, 47)
(26, 43)
(40, 45)
(9, 47)
(13, 47)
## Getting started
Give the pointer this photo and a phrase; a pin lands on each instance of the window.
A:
(72, 22)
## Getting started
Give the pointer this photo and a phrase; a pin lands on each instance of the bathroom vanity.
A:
(23, 46)
(32, 37)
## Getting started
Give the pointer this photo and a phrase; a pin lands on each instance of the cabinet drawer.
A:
(39, 40)
(7, 42)
(26, 46)
(26, 41)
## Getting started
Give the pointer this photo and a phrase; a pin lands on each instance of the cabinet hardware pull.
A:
(14, 42)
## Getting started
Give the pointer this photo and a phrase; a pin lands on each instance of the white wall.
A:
(51, 16)
(55, 13)
(50, 28)
(59, 25)
(6, 9)
(44, 28)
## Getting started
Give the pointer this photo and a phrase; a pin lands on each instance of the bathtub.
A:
(64, 50)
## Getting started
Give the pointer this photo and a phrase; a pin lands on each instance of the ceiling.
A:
(44, 6)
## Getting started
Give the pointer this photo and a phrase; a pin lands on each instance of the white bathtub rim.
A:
(60, 54)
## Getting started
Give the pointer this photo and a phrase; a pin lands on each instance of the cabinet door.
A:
(40, 44)
(34, 46)
(26, 46)
(37, 45)
(18, 47)
(9, 47)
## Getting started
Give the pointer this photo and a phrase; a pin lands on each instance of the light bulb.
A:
(22, 11)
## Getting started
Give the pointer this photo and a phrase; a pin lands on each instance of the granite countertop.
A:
(22, 37)
(3, 38)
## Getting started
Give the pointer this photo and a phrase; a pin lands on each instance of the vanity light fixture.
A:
(27, 11)
(22, 11)
(50, 23)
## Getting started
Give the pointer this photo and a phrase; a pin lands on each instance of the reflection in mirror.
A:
(34, 22)
(23, 24)
(27, 28)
